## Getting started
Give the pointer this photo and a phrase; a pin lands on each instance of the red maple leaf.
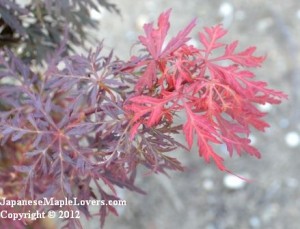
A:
(154, 41)
(217, 92)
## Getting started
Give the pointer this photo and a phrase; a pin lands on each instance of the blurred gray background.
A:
(203, 197)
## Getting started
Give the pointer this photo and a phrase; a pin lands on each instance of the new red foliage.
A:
(217, 92)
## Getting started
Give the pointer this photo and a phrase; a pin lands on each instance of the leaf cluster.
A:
(34, 29)
(217, 92)
(84, 125)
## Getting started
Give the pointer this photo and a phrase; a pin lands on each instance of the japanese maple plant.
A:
(84, 124)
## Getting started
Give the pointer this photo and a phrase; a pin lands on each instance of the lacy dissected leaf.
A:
(154, 41)
(154, 38)
(242, 82)
(148, 110)
(210, 38)
(205, 132)
(244, 58)
(230, 131)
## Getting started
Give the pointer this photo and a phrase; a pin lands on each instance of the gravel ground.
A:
(203, 197)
